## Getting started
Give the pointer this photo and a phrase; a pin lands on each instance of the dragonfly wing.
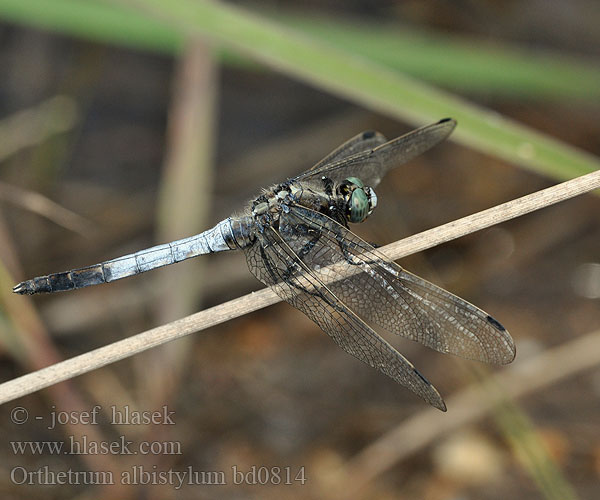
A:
(382, 292)
(274, 262)
(365, 141)
(372, 164)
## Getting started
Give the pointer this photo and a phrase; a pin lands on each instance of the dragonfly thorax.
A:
(359, 200)
(266, 204)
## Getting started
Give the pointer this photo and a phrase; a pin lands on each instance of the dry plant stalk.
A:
(116, 351)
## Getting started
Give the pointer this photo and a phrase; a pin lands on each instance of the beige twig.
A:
(102, 356)
(42, 205)
(37, 124)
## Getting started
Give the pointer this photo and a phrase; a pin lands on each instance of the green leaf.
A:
(349, 62)
(369, 84)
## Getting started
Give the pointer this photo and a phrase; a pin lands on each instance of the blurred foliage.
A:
(532, 453)
(349, 66)
(450, 61)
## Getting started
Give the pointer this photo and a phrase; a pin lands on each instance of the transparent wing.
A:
(276, 264)
(365, 141)
(371, 165)
(382, 292)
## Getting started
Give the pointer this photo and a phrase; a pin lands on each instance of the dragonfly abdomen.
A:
(217, 239)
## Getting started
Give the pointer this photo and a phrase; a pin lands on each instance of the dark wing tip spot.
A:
(421, 376)
(445, 120)
(368, 134)
(437, 402)
(495, 323)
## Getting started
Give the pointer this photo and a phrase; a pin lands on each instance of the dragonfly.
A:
(297, 240)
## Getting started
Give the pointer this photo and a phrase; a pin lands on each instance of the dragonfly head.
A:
(360, 200)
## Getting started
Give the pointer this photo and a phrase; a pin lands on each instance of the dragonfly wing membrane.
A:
(365, 141)
(274, 262)
(371, 165)
(380, 291)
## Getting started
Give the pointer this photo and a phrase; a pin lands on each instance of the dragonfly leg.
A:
(284, 275)
(345, 247)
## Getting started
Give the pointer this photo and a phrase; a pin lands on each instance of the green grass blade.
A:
(532, 453)
(94, 20)
(457, 62)
(370, 84)
(450, 61)
(340, 71)
(520, 433)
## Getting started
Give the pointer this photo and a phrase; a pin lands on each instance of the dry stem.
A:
(102, 356)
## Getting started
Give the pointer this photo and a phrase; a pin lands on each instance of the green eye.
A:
(356, 180)
(359, 206)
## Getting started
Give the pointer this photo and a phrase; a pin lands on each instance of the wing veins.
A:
(494, 345)
(387, 356)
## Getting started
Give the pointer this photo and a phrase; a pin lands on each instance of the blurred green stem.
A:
(370, 84)
(164, 26)
(527, 446)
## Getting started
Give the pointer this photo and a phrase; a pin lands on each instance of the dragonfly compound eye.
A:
(359, 206)
(356, 181)
(361, 200)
